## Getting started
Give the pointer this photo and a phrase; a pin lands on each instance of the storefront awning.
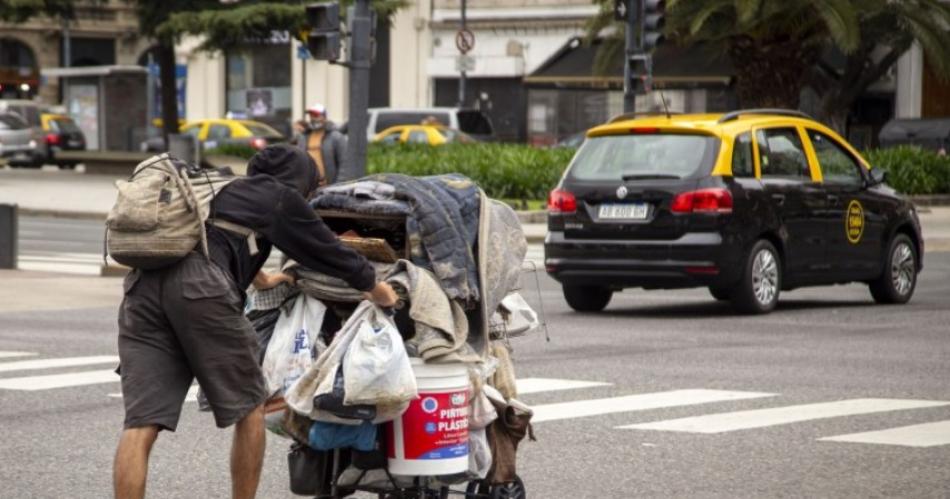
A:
(673, 67)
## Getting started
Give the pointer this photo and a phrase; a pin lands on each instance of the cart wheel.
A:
(477, 489)
(510, 490)
(442, 493)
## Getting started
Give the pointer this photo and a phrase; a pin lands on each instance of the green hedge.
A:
(520, 172)
(510, 171)
(912, 170)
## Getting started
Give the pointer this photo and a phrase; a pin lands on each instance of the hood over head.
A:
(289, 165)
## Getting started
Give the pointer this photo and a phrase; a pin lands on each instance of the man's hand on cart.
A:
(263, 280)
(383, 295)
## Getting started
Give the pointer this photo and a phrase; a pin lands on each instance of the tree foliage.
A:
(224, 27)
(18, 11)
(778, 47)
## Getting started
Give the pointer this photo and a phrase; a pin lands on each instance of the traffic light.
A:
(323, 41)
(640, 79)
(652, 20)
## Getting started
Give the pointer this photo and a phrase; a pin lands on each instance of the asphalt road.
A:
(651, 357)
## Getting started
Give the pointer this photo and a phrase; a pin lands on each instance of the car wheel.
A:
(899, 278)
(587, 298)
(761, 283)
(720, 294)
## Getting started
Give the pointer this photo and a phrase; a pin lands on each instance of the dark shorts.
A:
(181, 323)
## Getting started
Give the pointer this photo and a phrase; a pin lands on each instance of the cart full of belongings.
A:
(411, 401)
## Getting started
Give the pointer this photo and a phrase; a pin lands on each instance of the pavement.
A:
(666, 394)
(73, 194)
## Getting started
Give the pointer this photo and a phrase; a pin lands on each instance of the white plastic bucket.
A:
(431, 437)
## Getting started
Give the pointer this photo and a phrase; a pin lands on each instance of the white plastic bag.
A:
(522, 319)
(319, 379)
(479, 453)
(376, 367)
(290, 352)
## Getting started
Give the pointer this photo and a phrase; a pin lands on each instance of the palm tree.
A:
(776, 45)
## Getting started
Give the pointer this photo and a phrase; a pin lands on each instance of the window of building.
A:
(259, 85)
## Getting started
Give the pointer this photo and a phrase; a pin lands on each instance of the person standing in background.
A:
(321, 139)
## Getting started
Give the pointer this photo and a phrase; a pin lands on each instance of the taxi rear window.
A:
(646, 156)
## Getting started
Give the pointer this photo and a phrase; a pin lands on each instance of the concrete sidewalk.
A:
(71, 194)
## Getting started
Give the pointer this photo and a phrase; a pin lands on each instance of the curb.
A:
(930, 200)
(533, 217)
(74, 215)
(113, 270)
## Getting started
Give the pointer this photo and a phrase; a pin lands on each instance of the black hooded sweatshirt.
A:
(270, 200)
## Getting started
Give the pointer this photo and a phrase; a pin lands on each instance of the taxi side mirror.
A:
(878, 177)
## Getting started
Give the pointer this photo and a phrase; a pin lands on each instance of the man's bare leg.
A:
(247, 454)
(131, 462)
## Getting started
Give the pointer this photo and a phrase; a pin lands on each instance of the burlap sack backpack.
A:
(160, 213)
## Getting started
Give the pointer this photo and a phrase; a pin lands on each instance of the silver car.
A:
(31, 113)
(17, 145)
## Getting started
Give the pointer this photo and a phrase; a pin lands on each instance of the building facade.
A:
(103, 33)
(530, 75)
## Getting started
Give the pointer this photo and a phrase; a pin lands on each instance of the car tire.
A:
(899, 277)
(587, 298)
(720, 294)
(761, 282)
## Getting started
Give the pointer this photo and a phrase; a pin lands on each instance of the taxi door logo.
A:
(854, 221)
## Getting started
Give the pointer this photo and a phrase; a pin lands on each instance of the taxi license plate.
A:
(623, 211)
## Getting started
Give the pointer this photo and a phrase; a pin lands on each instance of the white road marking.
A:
(10, 355)
(25, 365)
(538, 385)
(192, 395)
(759, 418)
(920, 435)
(641, 402)
(33, 383)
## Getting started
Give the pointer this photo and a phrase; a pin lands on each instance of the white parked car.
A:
(470, 121)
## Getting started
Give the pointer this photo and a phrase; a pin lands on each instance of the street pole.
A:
(462, 72)
(67, 45)
(632, 47)
(303, 88)
(359, 64)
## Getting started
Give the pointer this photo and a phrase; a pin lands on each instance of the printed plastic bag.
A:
(290, 352)
(376, 367)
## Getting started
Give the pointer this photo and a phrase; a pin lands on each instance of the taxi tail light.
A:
(52, 139)
(716, 200)
(561, 202)
(645, 130)
(258, 143)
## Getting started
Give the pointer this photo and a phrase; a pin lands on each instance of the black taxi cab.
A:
(748, 204)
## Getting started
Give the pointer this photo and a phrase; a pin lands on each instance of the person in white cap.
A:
(321, 139)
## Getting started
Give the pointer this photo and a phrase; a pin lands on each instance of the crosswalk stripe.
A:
(759, 418)
(191, 396)
(25, 365)
(640, 402)
(10, 355)
(539, 385)
(47, 382)
(919, 435)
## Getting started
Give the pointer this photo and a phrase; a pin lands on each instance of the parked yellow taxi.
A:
(434, 135)
(213, 133)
